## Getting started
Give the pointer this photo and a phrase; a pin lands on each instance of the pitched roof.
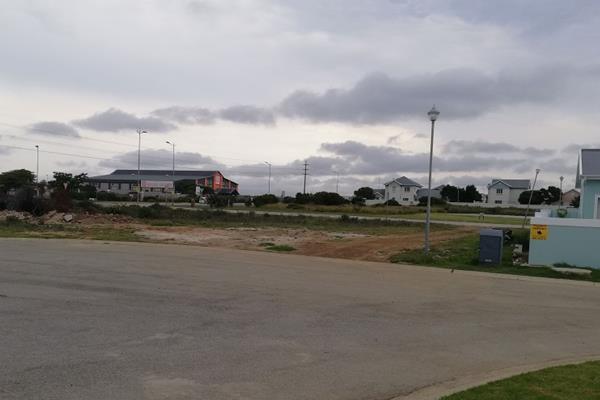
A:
(130, 175)
(404, 181)
(513, 183)
(590, 162)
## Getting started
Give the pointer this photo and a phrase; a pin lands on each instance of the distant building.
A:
(507, 191)
(403, 190)
(568, 197)
(436, 193)
(160, 182)
(379, 194)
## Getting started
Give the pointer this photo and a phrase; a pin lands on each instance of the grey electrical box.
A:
(490, 246)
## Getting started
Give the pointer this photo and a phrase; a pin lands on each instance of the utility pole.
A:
(305, 173)
(269, 185)
(37, 170)
(139, 132)
(537, 172)
(337, 182)
(562, 178)
(173, 174)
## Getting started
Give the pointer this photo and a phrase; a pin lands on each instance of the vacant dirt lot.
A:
(309, 242)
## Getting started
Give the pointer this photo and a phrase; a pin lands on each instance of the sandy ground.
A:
(308, 242)
(304, 241)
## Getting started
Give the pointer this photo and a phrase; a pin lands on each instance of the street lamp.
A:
(537, 172)
(269, 164)
(433, 114)
(139, 132)
(37, 170)
(562, 178)
(173, 173)
(337, 182)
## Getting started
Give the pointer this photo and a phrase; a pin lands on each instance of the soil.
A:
(304, 241)
(307, 242)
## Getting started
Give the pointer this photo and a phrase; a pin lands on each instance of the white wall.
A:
(399, 193)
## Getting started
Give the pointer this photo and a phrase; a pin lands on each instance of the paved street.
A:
(98, 320)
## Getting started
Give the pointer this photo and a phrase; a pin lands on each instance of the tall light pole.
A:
(269, 184)
(37, 170)
(433, 114)
(562, 178)
(337, 182)
(173, 173)
(139, 132)
(537, 172)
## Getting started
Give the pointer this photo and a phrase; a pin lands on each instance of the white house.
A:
(506, 191)
(403, 190)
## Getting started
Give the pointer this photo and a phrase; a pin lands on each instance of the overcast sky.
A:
(343, 84)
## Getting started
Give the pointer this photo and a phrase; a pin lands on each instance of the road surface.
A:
(99, 320)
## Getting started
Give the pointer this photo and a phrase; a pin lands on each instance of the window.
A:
(498, 201)
(498, 191)
(407, 188)
(119, 186)
(405, 199)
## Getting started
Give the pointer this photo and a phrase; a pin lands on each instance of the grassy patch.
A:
(569, 382)
(21, 229)
(165, 216)
(463, 254)
(280, 247)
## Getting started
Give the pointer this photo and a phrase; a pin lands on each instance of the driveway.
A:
(101, 320)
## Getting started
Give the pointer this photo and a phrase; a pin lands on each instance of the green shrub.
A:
(260, 201)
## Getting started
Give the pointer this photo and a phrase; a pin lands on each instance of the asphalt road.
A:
(94, 320)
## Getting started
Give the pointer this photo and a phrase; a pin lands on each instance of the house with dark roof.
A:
(403, 190)
(507, 191)
(158, 183)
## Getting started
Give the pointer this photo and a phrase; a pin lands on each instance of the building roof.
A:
(589, 164)
(404, 181)
(513, 183)
(130, 175)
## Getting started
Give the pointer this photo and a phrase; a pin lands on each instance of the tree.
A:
(575, 201)
(328, 199)
(471, 194)
(365, 192)
(550, 195)
(260, 201)
(16, 179)
(536, 198)
(453, 193)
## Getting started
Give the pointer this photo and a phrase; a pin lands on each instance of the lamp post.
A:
(139, 132)
(37, 170)
(173, 173)
(337, 182)
(562, 178)
(537, 172)
(433, 114)
(269, 182)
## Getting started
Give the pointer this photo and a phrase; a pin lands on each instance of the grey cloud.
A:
(186, 115)
(4, 150)
(458, 93)
(369, 160)
(115, 120)
(246, 114)
(573, 149)
(52, 128)
(161, 159)
(470, 147)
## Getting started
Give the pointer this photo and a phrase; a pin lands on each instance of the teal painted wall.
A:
(573, 245)
(591, 188)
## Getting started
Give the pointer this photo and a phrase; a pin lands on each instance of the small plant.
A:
(281, 247)
(267, 244)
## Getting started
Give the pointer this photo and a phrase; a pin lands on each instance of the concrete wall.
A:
(590, 189)
(570, 240)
